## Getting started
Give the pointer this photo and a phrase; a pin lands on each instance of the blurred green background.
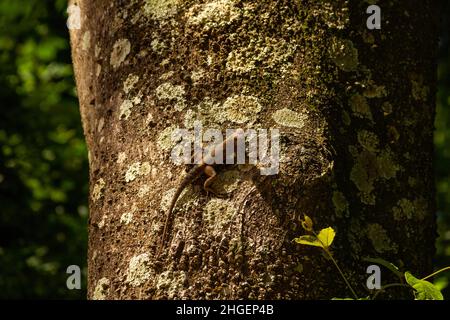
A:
(43, 157)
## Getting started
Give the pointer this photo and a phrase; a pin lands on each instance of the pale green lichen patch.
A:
(97, 50)
(379, 238)
(137, 169)
(209, 112)
(102, 222)
(213, 14)
(101, 289)
(334, 17)
(86, 41)
(344, 54)
(418, 90)
(164, 140)
(166, 76)
(403, 210)
(145, 168)
(210, 109)
(132, 172)
(218, 214)
(172, 93)
(363, 176)
(263, 54)
(393, 134)
(139, 270)
(289, 118)
(340, 204)
(130, 82)
(126, 217)
(360, 107)
(143, 191)
(387, 168)
(120, 51)
(97, 191)
(190, 117)
(368, 140)
(158, 45)
(197, 75)
(172, 282)
(125, 109)
(161, 9)
(374, 91)
(407, 209)
(100, 124)
(242, 109)
(370, 167)
(387, 108)
(121, 157)
(98, 69)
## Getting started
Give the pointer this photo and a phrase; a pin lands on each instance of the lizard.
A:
(205, 166)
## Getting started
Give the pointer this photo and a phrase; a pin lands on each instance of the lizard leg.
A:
(212, 174)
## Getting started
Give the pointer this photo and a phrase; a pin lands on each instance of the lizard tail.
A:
(167, 220)
(188, 179)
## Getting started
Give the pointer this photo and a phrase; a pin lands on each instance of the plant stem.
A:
(435, 273)
(383, 288)
(325, 248)
(342, 273)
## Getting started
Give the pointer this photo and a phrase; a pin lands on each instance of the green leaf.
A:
(307, 224)
(326, 236)
(386, 264)
(323, 240)
(424, 290)
(309, 241)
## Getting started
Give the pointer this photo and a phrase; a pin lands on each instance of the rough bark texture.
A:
(355, 108)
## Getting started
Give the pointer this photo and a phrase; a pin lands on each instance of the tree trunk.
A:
(355, 110)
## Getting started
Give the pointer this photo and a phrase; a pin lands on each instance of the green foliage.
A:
(442, 154)
(393, 268)
(424, 290)
(43, 161)
(324, 239)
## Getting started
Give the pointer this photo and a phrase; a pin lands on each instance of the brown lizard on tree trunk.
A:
(205, 166)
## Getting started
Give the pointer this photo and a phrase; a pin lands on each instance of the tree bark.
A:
(355, 108)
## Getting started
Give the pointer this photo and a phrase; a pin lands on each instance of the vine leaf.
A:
(308, 240)
(323, 240)
(387, 264)
(307, 224)
(424, 290)
(326, 236)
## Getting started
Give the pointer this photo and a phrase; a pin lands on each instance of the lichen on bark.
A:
(356, 127)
